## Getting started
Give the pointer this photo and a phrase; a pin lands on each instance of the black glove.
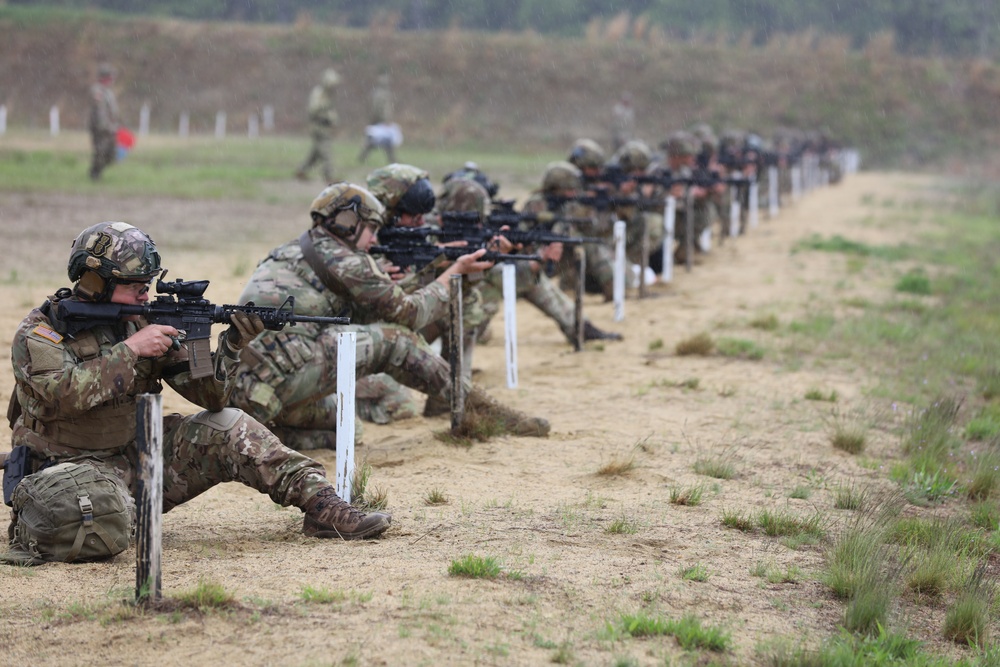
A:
(244, 327)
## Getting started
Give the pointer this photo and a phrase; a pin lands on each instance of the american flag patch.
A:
(45, 332)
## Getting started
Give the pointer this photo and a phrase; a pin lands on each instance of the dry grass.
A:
(697, 345)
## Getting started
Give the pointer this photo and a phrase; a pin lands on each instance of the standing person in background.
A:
(381, 131)
(622, 121)
(323, 122)
(104, 121)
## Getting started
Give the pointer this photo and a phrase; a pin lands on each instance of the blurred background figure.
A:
(323, 122)
(622, 121)
(104, 121)
(381, 132)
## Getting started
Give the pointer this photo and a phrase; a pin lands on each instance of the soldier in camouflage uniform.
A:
(634, 159)
(323, 122)
(104, 121)
(682, 151)
(76, 390)
(290, 379)
(532, 284)
(381, 114)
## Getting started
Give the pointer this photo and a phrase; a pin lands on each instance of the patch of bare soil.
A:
(538, 506)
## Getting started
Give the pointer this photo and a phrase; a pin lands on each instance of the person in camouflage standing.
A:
(381, 114)
(290, 379)
(76, 389)
(622, 121)
(104, 121)
(323, 121)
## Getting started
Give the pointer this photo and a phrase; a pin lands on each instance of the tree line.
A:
(957, 27)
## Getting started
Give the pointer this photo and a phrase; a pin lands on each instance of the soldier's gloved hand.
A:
(243, 328)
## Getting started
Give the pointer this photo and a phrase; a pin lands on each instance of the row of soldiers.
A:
(270, 395)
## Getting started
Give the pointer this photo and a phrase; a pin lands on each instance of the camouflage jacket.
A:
(78, 393)
(104, 115)
(381, 105)
(322, 115)
(364, 292)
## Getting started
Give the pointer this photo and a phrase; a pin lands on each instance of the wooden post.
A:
(669, 221)
(581, 278)
(510, 322)
(144, 119)
(456, 336)
(772, 193)
(268, 118)
(734, 211)
(149, 498)
(253, 126)
(618, 284)
(3, 119)
(184, 125)
(644, 261)
(220, 125)
(54, 121)
(688, 228)
(347, 343)
(796, 182)
(754, 204)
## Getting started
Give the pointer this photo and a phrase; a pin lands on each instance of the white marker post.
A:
(253, 126)
(267, 114)
(54, 121)
(456, 363)
(772, 192)
(754, 204)
(347, 342)
(734, 211)
(144, 120)
(220, 125)
(669, 222)
(618, 284)
(705, 240)
(149, 498)
(796, 182)
(510, 322)
(3, 119)
(184, 125)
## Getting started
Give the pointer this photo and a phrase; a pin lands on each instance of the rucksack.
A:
(70, 512)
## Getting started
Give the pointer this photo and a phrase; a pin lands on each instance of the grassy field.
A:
(929, 351)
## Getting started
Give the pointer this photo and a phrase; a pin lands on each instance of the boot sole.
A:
(373, 531)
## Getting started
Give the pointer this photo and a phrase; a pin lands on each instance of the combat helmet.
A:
(341, 209)
(561, 175)
(330, 78)
(463, 195)
(586, 154)
(633, 156)
(109, 253)
(680, 144)
(471, 170)
(402, 188)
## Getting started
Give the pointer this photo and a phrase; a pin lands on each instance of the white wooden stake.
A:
(510, 322)
(347, 342)
(220, 125)
(253, 126)
(796, 182)
(184, 125)
(618, 284)
(669, 222)
(268, 118)
(54, 121)
(144, 119)
(754, 204)
(3, 119)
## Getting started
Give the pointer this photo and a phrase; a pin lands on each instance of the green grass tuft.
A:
(207, 595)
(740, 348)
(475, 567)
(767, 322)
(690, 496)
(914, 282)
(696, 572)
(721, 468)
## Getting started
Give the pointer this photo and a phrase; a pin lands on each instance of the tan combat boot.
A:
(480, 404)
(327, 515)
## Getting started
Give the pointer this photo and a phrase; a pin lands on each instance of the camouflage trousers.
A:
(653, 222)
(104, 146)
(290, 379)
(321, 151)
(536, 288)
(209, 448)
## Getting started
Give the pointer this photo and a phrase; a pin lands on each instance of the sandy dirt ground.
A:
(539, 506)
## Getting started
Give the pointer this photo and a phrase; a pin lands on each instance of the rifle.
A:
(602, 201)
(181, 304)
(478, 230)
(420, 253)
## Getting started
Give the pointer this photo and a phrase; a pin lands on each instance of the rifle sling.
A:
(319, 268)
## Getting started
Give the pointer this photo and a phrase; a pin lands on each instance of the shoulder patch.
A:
(43, 331)
(44, 357)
